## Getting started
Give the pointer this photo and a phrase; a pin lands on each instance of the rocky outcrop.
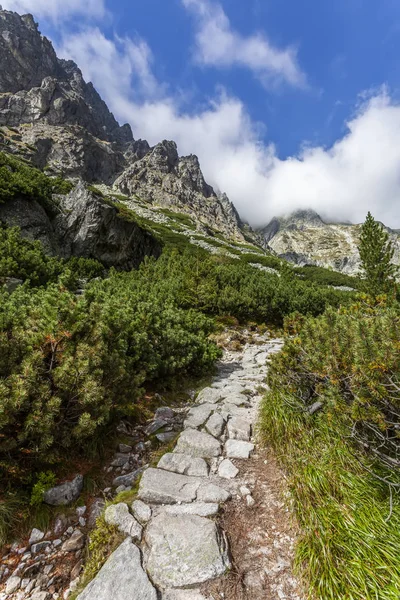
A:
(69, 131)
(162, 178)
(304, 238)
(83, 225)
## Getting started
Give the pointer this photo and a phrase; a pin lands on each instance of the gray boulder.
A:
(122, 577)
(198, 443)
(185, 550)
(64, 494)
(162, 487)
(184, 464)
(119, 515)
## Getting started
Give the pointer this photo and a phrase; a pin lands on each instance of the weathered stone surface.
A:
(128, 479)
(122, 577)
(75, 542)
(239, 429)
(155, 425)
(165, 412)
(215, 425)
(238, 449)
(197, 443)
(163, 487)
(166, 436)
(198, 415)
(184, 464)
(119, 515)
(13, 584)
(227, 469)
(66, 493)
(141, 511)
(36, 536)
(210, 395)
(232, 389)
(40, 547)
(201, 509)
(209, 492)
(185, 550)
(237, 399)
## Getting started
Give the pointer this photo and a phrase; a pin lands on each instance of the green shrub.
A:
(341, 455)
(45, 481)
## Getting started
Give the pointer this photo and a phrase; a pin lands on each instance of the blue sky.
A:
(288, 104)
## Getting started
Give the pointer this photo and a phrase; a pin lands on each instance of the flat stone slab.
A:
(201, 509)
(209, 394)
(163, 487)
(198, 415)
(119, 515)
(232, 389)
(239, 429)
(121, 577)
(215, 425)
(185, 550)
(227, 469)
(209, 492)
(198, 443)
(237, 399)
(238, 449)
(184, 464)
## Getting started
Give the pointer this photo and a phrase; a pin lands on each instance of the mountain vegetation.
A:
(333, 417)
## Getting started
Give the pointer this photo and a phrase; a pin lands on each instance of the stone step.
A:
(199, 444)
(184, 550)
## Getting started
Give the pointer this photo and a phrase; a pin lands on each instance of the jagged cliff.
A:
(306, 239)
(52, 117)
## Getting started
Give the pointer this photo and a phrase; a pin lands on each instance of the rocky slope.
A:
(50, 116)
(305, 239)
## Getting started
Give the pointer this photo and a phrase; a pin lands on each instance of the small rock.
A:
(75, 542)
(165, 413)
(250, 501)
(208, 492)
(124, 448)
(80, 511)
(215, 425)
(155, 426)
(76, 570)
(13, 584)
(39, 547)
(128, 479)
(60, 524)
(141, 511)
(119, 515)
(238, 449)
(227, 469)
(66, 493)
(82, 522)
(36, 536)
(244, 490)
(239, 429)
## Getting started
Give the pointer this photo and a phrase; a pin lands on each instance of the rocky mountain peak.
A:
(69, 130)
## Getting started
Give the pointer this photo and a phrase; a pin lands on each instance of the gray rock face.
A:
(184, 464)
(209, 394)
(122, 577)
(200, 546)
(162, 178)
(119, 515)
(66, 493)
(162, 487)
(90, 228)
(198, 443)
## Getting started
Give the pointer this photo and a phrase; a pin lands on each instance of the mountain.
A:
(304, 238)
(52, 119)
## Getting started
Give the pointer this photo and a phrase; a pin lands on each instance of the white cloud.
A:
(360, 172)
(218, 45)
(57, 9)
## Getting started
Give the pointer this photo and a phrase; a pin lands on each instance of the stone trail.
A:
(174, 543)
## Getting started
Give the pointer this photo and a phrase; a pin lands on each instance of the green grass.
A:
(349, 549)
(177, 216)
